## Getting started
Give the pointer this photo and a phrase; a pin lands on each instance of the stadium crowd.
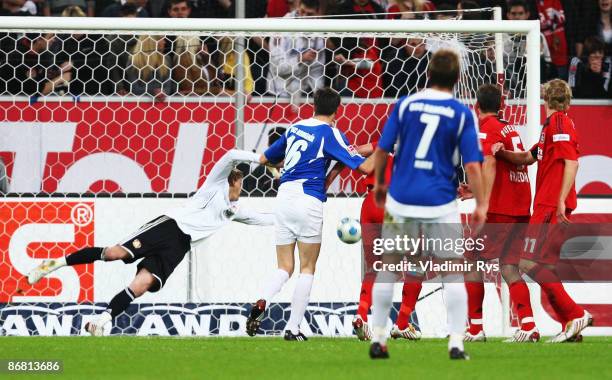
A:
(576, 46)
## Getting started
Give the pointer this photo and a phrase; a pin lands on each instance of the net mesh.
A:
(95, 124)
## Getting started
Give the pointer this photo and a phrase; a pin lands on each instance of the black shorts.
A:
(162, 246)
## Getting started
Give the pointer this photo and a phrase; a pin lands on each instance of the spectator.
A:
(56, 7)
(297, 63)
(14, 8)
(515, 47)
(179, 9)
(191, 70)
(31, 69)
(260, 181)
(445, 11)
(590, 77)
(118, 57)
(114, 10)
(406, 73)
(405, 9)
(600, 24)
(226, 60)
(149, 70)
(358, 59)
(552, 24)
(83, 54)
(279, 8)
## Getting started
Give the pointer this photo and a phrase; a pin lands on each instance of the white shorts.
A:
(299, 217)
(441, 237)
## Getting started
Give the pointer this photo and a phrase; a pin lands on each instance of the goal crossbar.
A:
(531, 28)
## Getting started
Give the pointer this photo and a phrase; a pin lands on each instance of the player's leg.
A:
(382, 298)
(413, 283)
(573, 318)
(142, 282)
(83, 256)
(371, 220)
(454, 292)
(309, 254)
(475, 295)
(273, 285)
(540, 255)
(519, 295)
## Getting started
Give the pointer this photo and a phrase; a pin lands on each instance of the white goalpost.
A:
(92, 151)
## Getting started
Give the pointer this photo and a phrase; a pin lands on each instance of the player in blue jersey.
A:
(307, 148)
(428, 132)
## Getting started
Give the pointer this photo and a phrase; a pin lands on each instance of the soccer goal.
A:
(106, 123)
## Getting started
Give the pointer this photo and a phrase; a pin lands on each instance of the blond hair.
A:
(557, 95)
(189, 67)
(147, 58)
(73, 11)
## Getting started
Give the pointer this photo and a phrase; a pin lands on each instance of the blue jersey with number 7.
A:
(308, 147)
(432, 130)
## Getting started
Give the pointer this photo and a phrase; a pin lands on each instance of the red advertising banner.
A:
(31, 231)
(169, 147)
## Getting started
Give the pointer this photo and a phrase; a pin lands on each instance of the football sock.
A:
(365, 297)
(455, 298)
(560, 301)
(274, 284)
(301, 295)
(410, 294)
(382, 298)
(85, 256)
(519, 294)
(475, 295)
(120, 302)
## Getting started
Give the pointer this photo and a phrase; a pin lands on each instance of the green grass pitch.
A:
(319, 358)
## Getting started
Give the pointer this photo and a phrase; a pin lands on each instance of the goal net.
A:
(107, 123)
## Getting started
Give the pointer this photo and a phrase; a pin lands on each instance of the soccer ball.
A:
(349, 230)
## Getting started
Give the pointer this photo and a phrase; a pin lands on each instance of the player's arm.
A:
(224, 166)
(472, 157)
(337, 147)
(385, 146)
(275, 154)
(516, 158)
(488, 176)
(365, 150)
(569, 177)
(253, 217)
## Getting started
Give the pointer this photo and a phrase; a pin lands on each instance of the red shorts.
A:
(372, 219)
(503, 239)
(544, 236)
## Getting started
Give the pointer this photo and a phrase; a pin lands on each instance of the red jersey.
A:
(511, 193)
(558, 142)
(370, 179)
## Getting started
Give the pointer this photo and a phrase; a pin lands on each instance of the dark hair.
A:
(326, 101)
(275, 134)
(234, 176)
(445, 9)
(593, 44)
(518, 3)
(128, 9)
(172, 3)
(489, 98)
(313, 4)
(470, 5)
(444, 69)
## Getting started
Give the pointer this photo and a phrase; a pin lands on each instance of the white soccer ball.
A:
(349, 230)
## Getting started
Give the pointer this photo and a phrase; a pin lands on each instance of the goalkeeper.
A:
(163, 242)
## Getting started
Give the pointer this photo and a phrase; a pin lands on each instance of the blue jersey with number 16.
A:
(431, 129)
(308, 147)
